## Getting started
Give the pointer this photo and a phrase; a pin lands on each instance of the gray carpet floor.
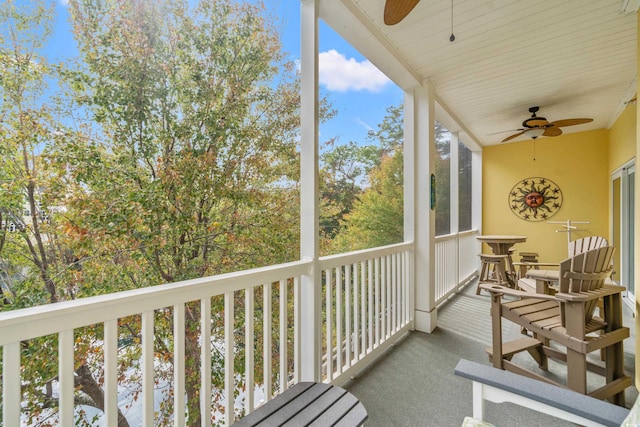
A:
(413, 383)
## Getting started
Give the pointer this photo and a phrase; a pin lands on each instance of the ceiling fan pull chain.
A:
(452, 37)
(534, 150)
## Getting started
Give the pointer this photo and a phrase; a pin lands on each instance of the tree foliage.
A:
(375, 215)
(178, 161)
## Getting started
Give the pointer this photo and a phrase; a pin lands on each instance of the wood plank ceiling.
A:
(574, 58)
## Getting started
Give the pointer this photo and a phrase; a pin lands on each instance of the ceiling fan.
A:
(539, 126)
(396, 10)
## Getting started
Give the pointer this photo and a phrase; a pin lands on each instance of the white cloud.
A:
(64, 2)
(341, 74)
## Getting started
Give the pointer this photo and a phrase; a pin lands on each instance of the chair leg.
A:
(484, 276)
(539, 356)
(496, 332)
(614, 369)
(577, 371)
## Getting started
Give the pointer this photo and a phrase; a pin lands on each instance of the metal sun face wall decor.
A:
(535, 199)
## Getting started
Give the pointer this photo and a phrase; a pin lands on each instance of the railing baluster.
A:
(356, 314)
(370, 303)
(296, 328)
(283, 336)
(178, 365)
(229, 344)
(266, 348)
(406, 280)
(11, 394)
(329, 324)
(403, 280)
(363, 307)
(65, 375)
(347, 314)
(111, 373)
(205, 362)
(376, 310)
(249, 353)
(148, 397)
(398, 291)
(392, 293)
(387, 295)
(339, 366)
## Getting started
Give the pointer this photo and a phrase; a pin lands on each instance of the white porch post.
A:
(409, 151)
(421, 118)
(454, 190)
(310, 286)
(476, 196)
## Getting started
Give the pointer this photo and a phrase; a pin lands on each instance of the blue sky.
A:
(358, 91)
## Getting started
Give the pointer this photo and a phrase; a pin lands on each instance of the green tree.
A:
(375, 215)
(30, 242)
(346, 168)
(342, 176)
(443, 179)
(188, 165)
(390, 133)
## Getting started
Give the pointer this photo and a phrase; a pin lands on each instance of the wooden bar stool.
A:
(528, 261)
(493, 270)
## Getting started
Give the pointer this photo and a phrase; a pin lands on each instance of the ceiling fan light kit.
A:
(535, 133)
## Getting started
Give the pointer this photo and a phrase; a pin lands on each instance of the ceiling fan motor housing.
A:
(535, 121)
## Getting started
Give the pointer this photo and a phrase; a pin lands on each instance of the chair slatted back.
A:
(586, 243)
(586, 271)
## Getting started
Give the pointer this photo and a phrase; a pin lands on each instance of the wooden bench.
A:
(498, 386)
(309, 404)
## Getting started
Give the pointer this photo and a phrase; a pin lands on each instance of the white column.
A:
(454, 180)
(409, 151)
(423, 167)
(310, 286)
(454, 198)
(476, 197)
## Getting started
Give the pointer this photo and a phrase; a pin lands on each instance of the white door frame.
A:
(625, 238)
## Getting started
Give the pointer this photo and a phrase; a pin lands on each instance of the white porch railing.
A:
(456, 262)
(368, 303)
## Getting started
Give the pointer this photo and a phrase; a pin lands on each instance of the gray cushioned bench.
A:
(309, 404)
(496, 385)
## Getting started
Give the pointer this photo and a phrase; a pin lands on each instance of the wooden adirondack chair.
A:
(567, 318)
(537, 280)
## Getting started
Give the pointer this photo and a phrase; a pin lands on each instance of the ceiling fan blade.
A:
(515, 135)
(552, 131)
(570, 122)
(396, 10)
(504, 131)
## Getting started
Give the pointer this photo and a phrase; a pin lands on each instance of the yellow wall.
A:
(622, 138)
(622, 148)
(578, 163)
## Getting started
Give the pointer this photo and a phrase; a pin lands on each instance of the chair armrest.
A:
(536, 264)
(504, 386)
(548, 275)
(497, 289)
(604, 291)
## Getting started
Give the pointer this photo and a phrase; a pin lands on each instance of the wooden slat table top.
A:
(309, 404)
